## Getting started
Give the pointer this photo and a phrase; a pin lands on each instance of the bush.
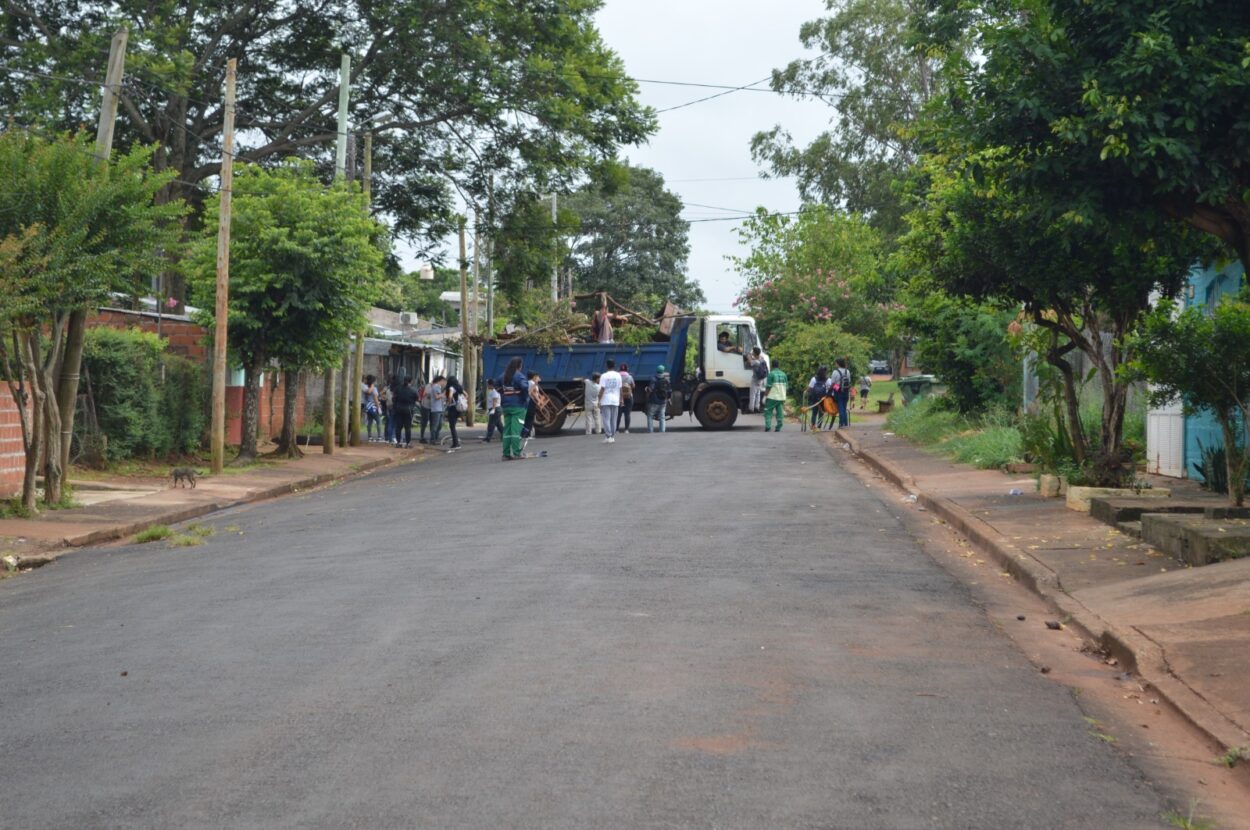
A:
(927, 421)
(809, 345)
(140, 414)
(989, 443)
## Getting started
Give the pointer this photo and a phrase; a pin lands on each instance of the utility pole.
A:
(555, 258)
(466, 347)
(490, 252)
(76, 327)
(340, 159)
(358, 363)
(352, 394)
(222, 308)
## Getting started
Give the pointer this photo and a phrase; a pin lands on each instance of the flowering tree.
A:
(820, 266)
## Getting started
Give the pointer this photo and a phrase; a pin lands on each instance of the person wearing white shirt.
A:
(594, 423)
(609, 400)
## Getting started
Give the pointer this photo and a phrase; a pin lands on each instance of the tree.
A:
(967, 345)
(1088, 276)
(818, 266)
(1142, 101)
(408, 292)
(529, 87)
(306, 262)
(72, 230)
(630, 239)
(1203, 358)
(877, 79)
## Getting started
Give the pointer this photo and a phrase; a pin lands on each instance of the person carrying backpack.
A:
(840, 386)
(658, 393)
(759, 372)
(627, 398)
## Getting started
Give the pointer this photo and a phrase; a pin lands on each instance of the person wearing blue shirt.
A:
(514, 391)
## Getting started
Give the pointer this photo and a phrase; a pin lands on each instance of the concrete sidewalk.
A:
(1185, 630)
(115, 508)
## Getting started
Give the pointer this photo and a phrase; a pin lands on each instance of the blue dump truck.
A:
(711, 381)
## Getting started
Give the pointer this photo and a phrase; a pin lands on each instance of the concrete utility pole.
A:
(340, 160)
(222, 307)
(466, 347)
(490, 252)
(555, 260)
(358, 363)
(76, 326)
(352, 396)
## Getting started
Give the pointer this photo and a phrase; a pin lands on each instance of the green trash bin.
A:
(916, 387)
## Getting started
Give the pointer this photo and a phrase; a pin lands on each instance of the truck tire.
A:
(549, 419)
(716, 409)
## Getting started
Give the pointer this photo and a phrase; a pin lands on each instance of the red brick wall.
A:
(270, 419)
(185, 338)
(12, 455)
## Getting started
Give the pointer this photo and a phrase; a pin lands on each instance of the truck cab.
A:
(723, 380)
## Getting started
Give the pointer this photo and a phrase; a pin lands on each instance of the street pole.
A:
(340, 160)
(352, 394)
(465, 345)
(476, 320)
(555, 259)
(358, 364)
(76, 326)
(490, 251)
(222, 307)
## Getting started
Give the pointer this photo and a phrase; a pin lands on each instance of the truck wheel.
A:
(550, 418)
(716, 410)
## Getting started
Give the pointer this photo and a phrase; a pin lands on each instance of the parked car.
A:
(879, 367)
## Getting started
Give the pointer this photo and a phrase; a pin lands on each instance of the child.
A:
(494, 413)
(594, 422)
(865, 386)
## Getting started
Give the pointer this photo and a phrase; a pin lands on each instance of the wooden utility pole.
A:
(471, 380)
(490, 252)
(353, 395)
(222, 307)
(340, 158)
(76, 325)
(465, 346)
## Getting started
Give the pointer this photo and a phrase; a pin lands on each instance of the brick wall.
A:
(269, 415)
(185, 338)
(12, 456)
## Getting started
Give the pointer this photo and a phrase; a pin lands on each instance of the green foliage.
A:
(153, 534)
(878, 78)
(141, 414)
(808, 346)
(306, 264)
(531, 87)
(1203, 358)
(989, 448)
(631, 240)
(966, 345)
(990, 442)
(408, 292)
(820, 266)
(1044, 441)
(926, 421)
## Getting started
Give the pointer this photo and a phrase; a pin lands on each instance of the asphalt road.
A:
(707, 630)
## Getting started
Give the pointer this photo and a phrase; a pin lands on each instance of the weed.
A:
(13, 509)
(1234, 755)
(1188, 821)
(153, 534)
(197, 529)
(185, 540)
(987, 449)
(231, 529)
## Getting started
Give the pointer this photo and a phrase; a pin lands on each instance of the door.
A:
(731, 342)
(1165, 441)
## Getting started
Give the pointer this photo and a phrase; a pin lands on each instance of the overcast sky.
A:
(733, 42)
(730, 42)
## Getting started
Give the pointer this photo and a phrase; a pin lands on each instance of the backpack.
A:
(760, 370)
(661, 388)
(462, 402)
(627, 389)
(841, 378)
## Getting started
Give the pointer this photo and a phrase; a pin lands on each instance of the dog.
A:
(184, 474)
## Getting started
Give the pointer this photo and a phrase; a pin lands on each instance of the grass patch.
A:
(1235, 755)
(988, 449)
(197, 529)
(153, 534)
(926, 422)
(988, 443)
(1188, 821)
(14, 509)
(185, 540)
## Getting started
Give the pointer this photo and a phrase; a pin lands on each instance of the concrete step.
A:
(1115, 509)
(1130, 528)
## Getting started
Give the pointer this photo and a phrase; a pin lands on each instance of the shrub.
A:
(138, 412)
(809, 345)
(927, 421)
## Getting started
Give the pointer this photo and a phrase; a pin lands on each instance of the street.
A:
(701, 629)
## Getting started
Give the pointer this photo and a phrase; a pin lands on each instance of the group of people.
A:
(836, 386)
(392, 407)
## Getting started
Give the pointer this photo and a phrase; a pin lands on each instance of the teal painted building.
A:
(1173, 440)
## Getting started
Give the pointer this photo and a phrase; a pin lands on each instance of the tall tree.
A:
(877, 78)
(630, 239)
(1139, 101)
(306, 263)
(72, 232)
(530, 87)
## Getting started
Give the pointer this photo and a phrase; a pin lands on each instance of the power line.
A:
(717, 95)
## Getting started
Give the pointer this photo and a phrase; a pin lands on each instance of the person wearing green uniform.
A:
(775, 397)
(514, 391)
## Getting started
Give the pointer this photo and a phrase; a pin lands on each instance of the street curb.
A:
(1134, 651)
(111, 534)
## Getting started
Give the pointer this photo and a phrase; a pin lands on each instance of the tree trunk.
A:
(251, 409)
(328, 409)
(32, 421)
(1072, 403)
(55, 447)
(67, 388)
(1236, 458)
(288, 443)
